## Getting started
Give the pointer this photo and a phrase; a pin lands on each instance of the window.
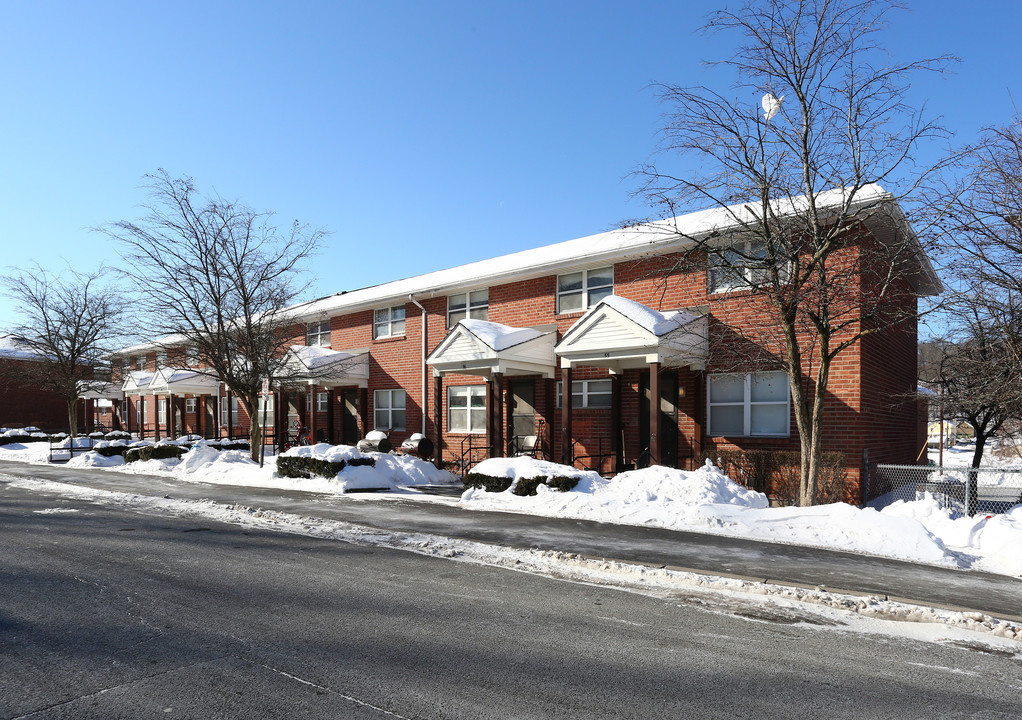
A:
(161, 359)
(389, 322)
(475, 305)
(322, 402)
(588, 393)
(750, 404)
(390, 409)
(466, 409)
(161, 411)
(140, 407)
(740, 267)
(192, 356)
(581, 290)
(189, 405)
(317, 334)
(140, 363)
(234, 410)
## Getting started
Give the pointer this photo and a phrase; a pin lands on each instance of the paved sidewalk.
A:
(782, 564)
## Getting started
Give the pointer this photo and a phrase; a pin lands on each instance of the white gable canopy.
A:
(179, 381)
(621, 334)
(325, 367)
(480, 347)
(137, 383)
(92, 390)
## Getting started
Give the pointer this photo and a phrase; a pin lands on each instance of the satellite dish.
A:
(771, 105)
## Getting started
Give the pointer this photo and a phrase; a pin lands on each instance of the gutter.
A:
(424, 332)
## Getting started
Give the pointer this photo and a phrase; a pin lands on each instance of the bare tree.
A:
(68, 325)
(975, 370)
(805, 226)
(216, 278)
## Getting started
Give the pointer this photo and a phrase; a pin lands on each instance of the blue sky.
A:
(421, 134)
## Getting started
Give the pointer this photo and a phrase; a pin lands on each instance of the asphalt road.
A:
(784, 564)
(109, 614)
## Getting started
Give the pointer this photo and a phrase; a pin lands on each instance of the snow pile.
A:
(95, 460)
(497, 336)
(658, 323)
(390, 472)
(705, 500)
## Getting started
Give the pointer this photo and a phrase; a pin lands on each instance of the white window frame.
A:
(586, 290)
(140, 363)
(190, 405)
(742, 273)
(474, 304)
(317, 334)
(322, 402)
(140, 411)
(161, 411)
(392, 324)
(234, 410)
(747, 404)
(389, 402)
(583, 389)
(191, 355)
(161, 359)
(468, 391)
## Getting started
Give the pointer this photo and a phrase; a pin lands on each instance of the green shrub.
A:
(562, 483)
(24, 439)
(153, 452)
(777, 473)
(112, 450)
(293, 466)
(368, 461)
(527, 486)
(489, 483)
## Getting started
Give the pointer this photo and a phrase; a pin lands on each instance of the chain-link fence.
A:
(970, 492)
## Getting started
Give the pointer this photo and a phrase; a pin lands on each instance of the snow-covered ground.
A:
(704, 500)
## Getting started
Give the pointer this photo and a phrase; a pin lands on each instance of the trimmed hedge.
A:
(524, 487)
(294, 466)
(112, 450)
(24, 439)
(153, 452)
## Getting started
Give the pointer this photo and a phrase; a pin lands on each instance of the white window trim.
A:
(315, 334)
(385, 329)
(585, 289)
(190, 405)
(322, 402)
(472, 390)
(747, 404)
(161, 411)
(390, 408)
(586, 394)
(470, 307)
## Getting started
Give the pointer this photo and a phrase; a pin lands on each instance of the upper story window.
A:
(581, 290)
(140, 362)
(317, 334)
(389, 322)
(750, 404)
(161, 359)
(742, 266)
(475, 305)
(191, 355)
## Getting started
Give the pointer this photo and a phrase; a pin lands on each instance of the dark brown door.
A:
(668, 419)
(522, 415)
(349, 423)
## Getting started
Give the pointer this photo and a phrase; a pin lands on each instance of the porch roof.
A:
(480, 347)
(99, 391)
(180, 381)
(326, 367)
(137, 382)
(621, 334)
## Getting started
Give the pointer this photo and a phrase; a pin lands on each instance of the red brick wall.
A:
(23, 404)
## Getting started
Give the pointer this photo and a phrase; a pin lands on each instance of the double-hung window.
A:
(161, 411)
(741, 266)
(140, 362)
(140, 409)
(233, 409)
(581, 290)
(749, 405)
(389, 409)
(322, 404)
(475, 305)
(191, 356)
(189, 405)
(317, 334)
(389, 322)
(588, 393)
(466, 409)
(161, 359)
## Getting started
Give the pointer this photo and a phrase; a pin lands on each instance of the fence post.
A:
(971, 492)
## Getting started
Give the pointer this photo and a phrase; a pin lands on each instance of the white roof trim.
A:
(479, 347)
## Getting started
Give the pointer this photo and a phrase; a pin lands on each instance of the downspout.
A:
(425, 390)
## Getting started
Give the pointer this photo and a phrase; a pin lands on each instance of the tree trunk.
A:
(72, 417)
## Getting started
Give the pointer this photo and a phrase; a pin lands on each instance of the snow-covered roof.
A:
(655, 322)
(11, 347)
(327, 367)
(182, 381)
(497, 336)
(137, 381)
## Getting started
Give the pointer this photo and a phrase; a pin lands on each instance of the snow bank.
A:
(390, 472)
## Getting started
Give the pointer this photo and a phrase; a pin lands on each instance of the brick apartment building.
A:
(23, 403)
(476, 357)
